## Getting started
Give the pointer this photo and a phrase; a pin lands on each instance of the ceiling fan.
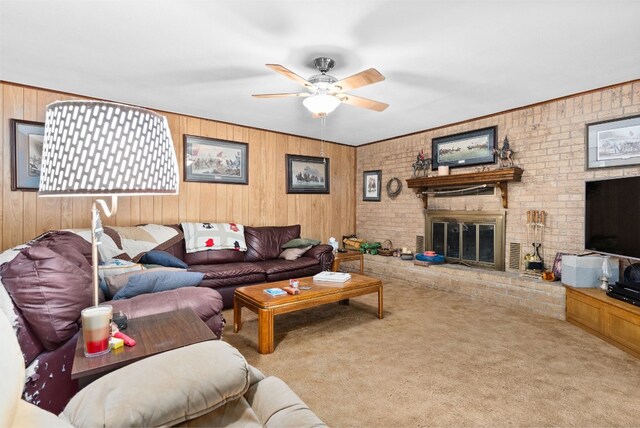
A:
(326, 92)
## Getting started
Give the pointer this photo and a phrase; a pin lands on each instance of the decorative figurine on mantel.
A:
(505, 154)
(422, 163)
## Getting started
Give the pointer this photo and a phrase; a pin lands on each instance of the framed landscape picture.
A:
(371, 185)
(209, 160)
(613, 143)
(26, 154)
(307, 174)
(467, 148)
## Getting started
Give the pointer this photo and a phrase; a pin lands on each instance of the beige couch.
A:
(206, 384)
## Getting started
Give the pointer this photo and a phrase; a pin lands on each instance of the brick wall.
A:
(549, 141)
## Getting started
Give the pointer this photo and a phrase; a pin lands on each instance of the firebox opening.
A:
(474, 238)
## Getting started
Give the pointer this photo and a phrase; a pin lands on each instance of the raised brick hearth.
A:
(507, 289)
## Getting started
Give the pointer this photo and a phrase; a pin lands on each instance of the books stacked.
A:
(332, 276)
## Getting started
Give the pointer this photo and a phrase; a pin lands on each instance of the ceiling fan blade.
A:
(284, 95)
(358, 80)
(290, 75)
(362, 102)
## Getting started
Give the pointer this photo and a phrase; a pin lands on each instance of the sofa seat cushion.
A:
(228, 270)
(201, 378)
(237, 413)
(271, 267)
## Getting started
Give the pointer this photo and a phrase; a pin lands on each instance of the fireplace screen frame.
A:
(495, 218)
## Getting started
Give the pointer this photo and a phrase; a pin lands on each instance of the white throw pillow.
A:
(293, 253)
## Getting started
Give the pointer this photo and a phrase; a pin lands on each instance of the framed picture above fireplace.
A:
(465, 149)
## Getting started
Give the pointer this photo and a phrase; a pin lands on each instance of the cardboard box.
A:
(585, 271)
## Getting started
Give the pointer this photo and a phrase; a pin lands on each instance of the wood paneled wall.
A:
(263, 202)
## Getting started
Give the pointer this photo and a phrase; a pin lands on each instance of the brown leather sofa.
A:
(226, 270)
(49, 361)
(44, 287)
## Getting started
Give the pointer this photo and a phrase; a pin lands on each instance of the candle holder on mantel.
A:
(534, 261)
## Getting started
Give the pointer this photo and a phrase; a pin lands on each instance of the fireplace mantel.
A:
(498, 177)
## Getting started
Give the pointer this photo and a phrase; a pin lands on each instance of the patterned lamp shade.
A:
(96, 148)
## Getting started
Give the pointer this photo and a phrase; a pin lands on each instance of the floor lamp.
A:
(102, 149)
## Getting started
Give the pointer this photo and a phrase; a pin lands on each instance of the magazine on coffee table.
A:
(275, 291)
(332, 276)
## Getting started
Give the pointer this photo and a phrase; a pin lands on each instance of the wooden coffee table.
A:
(153, 334)
(266, 306)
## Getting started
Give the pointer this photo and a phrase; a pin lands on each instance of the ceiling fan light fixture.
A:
(321, 104)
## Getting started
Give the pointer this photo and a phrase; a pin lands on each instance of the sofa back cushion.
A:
(265, 243)
(50, 284)
(214, 257)
(67, 244)
(177, 249)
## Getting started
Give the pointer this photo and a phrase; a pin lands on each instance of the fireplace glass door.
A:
(471, 240)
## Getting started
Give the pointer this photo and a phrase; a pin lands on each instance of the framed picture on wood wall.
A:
(467, 148)
(209, 160)
(371, 185)
(613, 143)
(26, 154)
(307, 174)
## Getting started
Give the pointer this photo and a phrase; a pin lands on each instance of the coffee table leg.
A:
(380, 306)
(237, 316)
(265, 331)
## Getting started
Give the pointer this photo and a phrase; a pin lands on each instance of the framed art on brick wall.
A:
(613, 142)
(468, 148)
(371, 185)
(26, 154)
(209, 160)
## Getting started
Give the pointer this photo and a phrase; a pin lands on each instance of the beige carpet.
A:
(438, 359)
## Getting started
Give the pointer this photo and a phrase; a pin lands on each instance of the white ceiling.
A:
(444, 61)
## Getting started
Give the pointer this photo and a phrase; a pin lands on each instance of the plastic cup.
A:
(96, 330)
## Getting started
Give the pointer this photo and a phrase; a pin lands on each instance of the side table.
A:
(153, 334)
(346, 257)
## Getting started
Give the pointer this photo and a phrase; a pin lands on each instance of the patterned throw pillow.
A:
(213, 236)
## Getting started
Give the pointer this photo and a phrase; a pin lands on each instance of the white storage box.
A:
(585, 271)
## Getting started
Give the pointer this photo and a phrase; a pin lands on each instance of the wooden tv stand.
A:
(612, 320)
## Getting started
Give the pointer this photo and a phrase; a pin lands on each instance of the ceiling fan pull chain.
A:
(323, 118)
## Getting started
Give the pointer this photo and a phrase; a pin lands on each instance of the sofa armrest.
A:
(322, 252)
(204, 301)
(163, 390)
(276, 405)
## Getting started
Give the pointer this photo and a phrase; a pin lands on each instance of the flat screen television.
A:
(612, 216)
